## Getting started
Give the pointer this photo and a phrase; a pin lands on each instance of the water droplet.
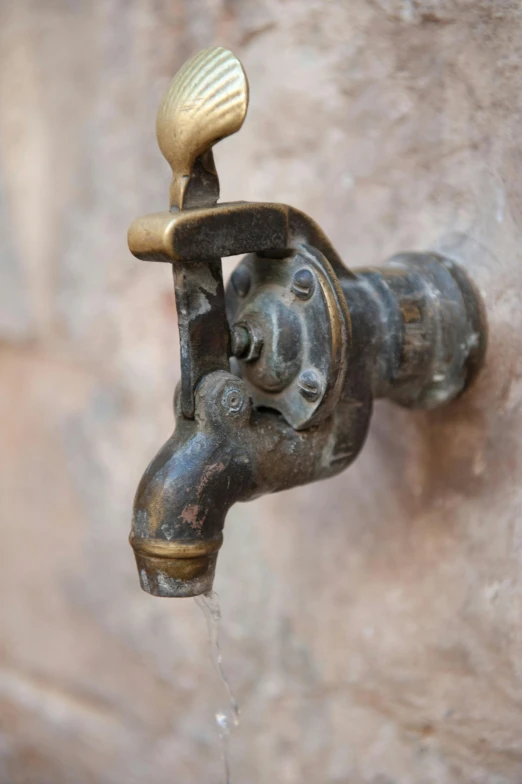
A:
(226, 719)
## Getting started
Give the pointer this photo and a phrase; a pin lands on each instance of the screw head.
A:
(310, 385)
(303, 283)
(241, 280)
(232, 400)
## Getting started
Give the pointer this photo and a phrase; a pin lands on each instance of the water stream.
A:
(228, 717)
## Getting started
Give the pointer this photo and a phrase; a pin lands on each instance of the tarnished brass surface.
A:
(278, 383)
(183, 566)
(160, 548)
(228, 229)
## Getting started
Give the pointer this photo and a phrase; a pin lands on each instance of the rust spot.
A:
(194, 514)
(410, 313)
(189, 516)
(208, 473)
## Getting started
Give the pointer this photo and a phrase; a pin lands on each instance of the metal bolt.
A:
(246, 341)
(310, 385)
(303, 283)
(241, 280)
(240, 340)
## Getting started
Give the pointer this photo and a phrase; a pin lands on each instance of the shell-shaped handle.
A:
(206, 101)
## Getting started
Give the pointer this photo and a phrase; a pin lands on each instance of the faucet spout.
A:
(228, 453)
(186, 491)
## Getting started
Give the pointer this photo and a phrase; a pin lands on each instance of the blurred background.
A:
(371, 623)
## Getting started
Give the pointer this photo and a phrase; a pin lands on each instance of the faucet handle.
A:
(206, 101)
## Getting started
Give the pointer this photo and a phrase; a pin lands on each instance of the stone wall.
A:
(372, 624)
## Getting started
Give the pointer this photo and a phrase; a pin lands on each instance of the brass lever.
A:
(206, 101)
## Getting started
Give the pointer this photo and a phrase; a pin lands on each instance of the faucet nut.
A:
(303, 283)
(247, 341)
(240, 341)
(241, 280)
(310, 385)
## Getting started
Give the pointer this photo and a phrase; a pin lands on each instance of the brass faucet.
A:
(278, 375)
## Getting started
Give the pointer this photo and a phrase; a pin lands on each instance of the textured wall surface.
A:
(372, 623)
